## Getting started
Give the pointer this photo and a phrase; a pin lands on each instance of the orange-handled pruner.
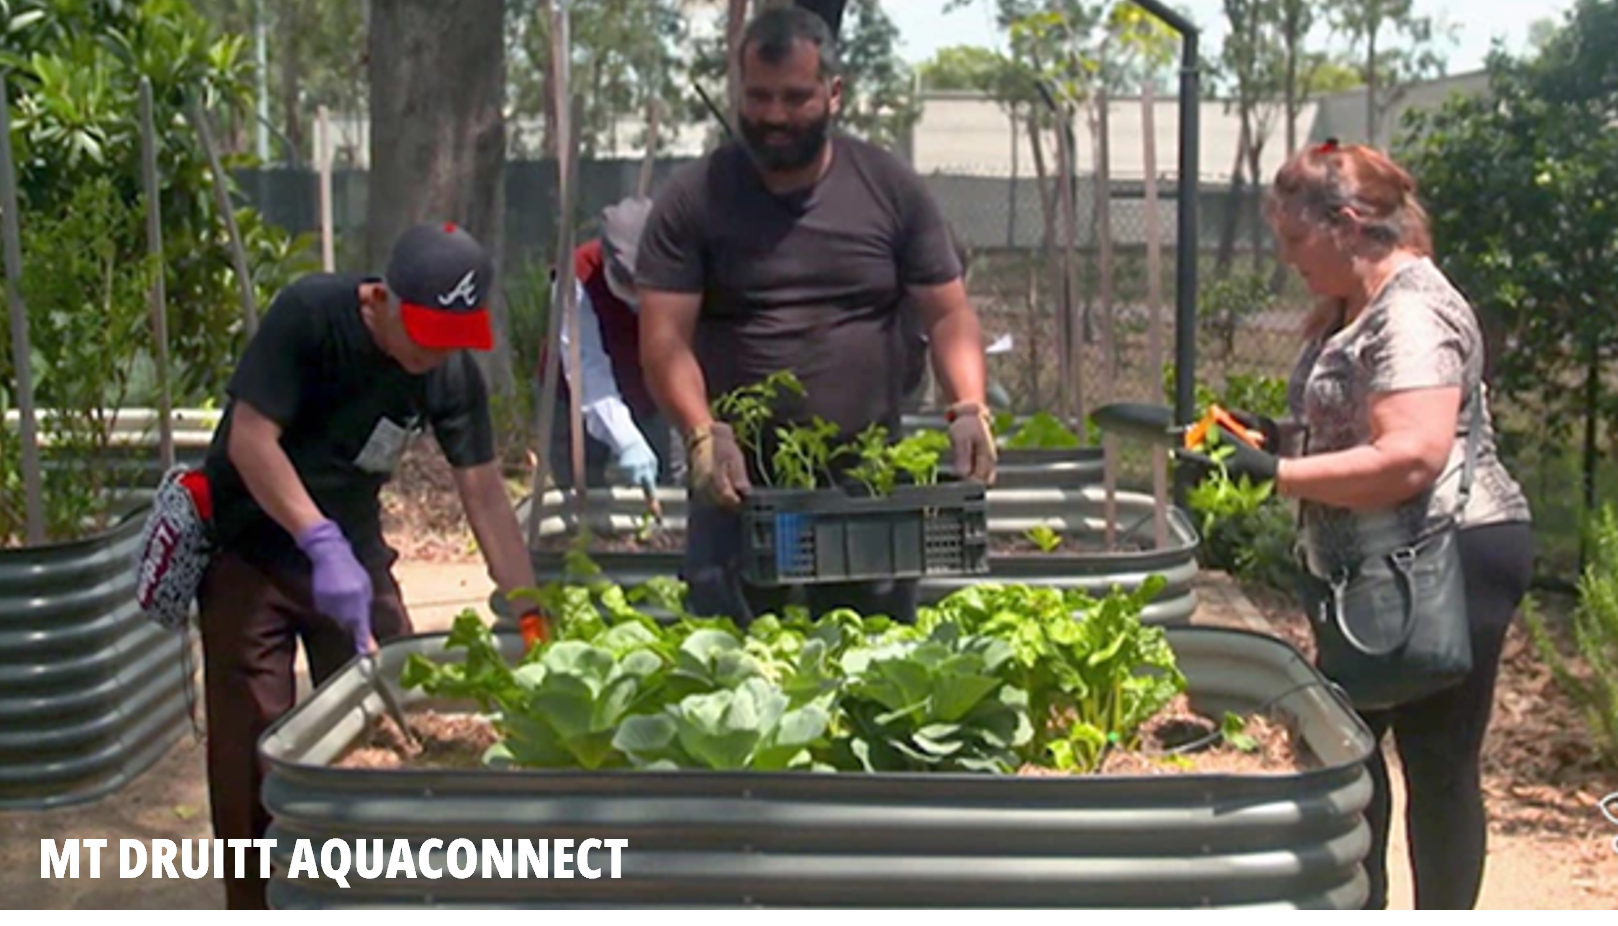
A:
(1216, 414)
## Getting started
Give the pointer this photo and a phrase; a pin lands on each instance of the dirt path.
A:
(1550, 847)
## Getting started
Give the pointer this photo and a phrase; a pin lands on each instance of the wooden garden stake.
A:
(565, 304)
(643, 183)
(221, 192)
(159, 296)
(11, 230)
(1109, 346)
(1154, 305)
(328, 248)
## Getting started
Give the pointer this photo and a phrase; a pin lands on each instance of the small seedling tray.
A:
(801, 536)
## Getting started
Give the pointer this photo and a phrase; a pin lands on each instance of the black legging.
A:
(1440, 739)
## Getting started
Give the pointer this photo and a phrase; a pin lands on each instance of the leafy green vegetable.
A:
(992, 678)
(1044, 537)
(751, 726)
(1042, 431)
(939, 704)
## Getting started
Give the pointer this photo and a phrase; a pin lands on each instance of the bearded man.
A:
(797, 249)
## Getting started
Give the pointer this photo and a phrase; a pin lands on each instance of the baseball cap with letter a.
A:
(442, 277)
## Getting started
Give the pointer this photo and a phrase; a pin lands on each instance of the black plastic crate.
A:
(800, 536)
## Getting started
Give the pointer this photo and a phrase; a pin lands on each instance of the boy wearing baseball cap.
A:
(342, 373)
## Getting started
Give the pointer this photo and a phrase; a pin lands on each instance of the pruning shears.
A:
(1155, 424)
(1217, 415)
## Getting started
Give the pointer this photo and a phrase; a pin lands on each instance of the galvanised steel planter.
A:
(1074, 468)
(1030, 468)
(91, 692)
(1080, 511)
(810, 839)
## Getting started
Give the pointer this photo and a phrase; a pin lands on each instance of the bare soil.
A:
(654, 541)
(1087, 543)
(444, 741)
(422, 516)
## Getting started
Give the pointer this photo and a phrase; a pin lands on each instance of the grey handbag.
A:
(1394, 628)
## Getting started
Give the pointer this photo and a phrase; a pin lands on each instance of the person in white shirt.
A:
(623, 426)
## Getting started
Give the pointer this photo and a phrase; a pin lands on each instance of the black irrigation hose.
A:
(1219, 734)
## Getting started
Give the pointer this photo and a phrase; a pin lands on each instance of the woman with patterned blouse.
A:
(1383, 391)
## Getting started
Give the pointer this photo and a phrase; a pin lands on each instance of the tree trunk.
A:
(1294, 43)
(735, 25)
(438, 76)
(547, 94)
(1225, 256)
(1370, 82)
(291, 89)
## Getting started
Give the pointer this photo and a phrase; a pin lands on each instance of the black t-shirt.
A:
(346, 410)
(810, 281)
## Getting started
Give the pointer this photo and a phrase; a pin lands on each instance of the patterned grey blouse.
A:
(1419, 332)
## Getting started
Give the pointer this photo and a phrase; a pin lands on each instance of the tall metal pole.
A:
(1154, 301)
(159, 297)
(11, 231)
(1185, 264)
(1185, 296)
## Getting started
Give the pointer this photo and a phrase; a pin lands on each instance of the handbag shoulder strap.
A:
(1474, 430)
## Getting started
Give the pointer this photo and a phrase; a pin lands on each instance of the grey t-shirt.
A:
(1419, 332)
(810, 282)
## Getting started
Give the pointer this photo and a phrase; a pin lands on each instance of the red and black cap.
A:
(442, 277)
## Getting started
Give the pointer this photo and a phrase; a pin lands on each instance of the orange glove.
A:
(535, 627)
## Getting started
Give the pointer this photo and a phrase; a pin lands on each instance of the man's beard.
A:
(800, 149)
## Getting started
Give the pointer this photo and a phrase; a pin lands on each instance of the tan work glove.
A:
(972, 440)
(718, 471)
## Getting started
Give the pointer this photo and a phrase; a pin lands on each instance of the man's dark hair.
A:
(777, 29)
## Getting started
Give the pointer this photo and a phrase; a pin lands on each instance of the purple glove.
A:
(341, 586)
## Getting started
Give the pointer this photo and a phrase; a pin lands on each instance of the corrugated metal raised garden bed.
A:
(91, 692)
(631, 550)
(844, 761)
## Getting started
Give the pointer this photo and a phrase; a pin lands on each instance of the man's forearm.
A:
(274, 483)
(676, 382)
(494, 524)
(957, 349)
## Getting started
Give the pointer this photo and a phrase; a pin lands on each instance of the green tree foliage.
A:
(1393, 47)
(624, 55)
(960, 67)
(74, 70)
(879, 98)
(1522, 184)
(880, 103)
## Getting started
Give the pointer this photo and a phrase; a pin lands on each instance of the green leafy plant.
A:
(1091, 682)
(748, 410)
(881, 464)
(806, 455)
(74, 70)
(1590, 676)
(750, 726)
(1042, 431)
(1044, 537)
(938, 704)
(992, 678)
(1233, 729)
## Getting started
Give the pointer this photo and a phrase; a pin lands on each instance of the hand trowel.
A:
(370, 667)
